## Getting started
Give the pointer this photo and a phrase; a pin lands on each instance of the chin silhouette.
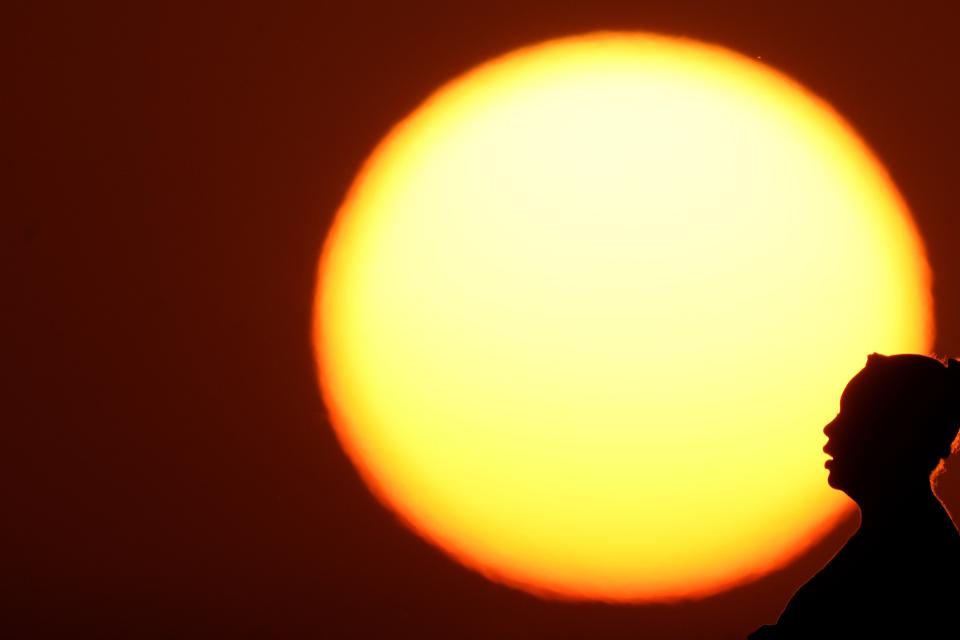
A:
(898, 573)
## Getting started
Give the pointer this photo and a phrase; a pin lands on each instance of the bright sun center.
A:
(583, 315)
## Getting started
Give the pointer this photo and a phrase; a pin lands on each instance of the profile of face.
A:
(857, 459)
(887, 433)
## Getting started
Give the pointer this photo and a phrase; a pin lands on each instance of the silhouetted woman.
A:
(897, 576)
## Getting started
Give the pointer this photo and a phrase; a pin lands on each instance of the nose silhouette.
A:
(827, 431)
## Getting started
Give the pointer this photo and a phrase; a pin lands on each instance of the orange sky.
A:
(173, 170)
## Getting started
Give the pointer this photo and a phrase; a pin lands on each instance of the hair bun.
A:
(953, 366)
(953, 384)
(953, 399)
(875, 358)
(953, 370)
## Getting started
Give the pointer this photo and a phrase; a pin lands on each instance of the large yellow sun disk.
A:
(584, 314)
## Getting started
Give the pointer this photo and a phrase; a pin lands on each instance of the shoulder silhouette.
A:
(897, 574)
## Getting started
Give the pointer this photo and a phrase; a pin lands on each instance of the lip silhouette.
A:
(829, 461)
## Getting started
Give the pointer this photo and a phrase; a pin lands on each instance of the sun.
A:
(584, 313)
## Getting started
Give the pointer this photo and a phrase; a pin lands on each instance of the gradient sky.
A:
(170, 175)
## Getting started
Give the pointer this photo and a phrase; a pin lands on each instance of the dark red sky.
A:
(170, 175)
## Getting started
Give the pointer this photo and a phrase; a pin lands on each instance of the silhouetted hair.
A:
(922, 395)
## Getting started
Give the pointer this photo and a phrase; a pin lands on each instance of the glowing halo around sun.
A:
(584, 313)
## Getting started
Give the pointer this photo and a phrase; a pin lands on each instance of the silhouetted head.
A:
(898, 421)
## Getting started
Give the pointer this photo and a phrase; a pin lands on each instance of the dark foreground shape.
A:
(897, 575)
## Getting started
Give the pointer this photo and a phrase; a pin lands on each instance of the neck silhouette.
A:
(906, 506)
